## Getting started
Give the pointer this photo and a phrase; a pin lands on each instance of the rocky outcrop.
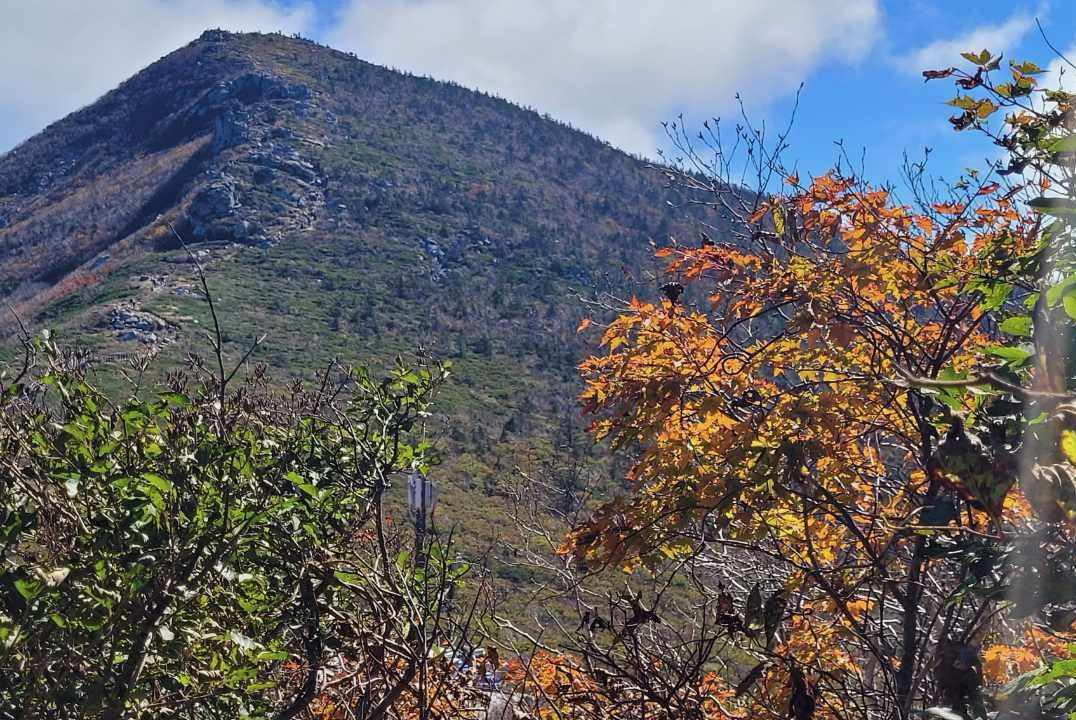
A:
(131, 324)
(289, 198)
(450, 251)
(213, 213)
(217, 200)
(255, 147)
(286, 161)
(225, 109)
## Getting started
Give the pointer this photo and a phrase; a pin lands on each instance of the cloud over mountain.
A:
(613, 68)
(59, 55)
(997, 37)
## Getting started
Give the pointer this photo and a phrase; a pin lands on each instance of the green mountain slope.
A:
(348, 212)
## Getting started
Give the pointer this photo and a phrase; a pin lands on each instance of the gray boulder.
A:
(124, 319)
(216, 200)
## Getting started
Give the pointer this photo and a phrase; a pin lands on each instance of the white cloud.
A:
(1061, 72)
(58, 55)
(1001, 37)
(613, 67)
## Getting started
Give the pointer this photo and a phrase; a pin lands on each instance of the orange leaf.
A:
(948, 208)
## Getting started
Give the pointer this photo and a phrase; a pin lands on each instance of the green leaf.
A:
(1069, 303)
(1055, 206)
(981, 58)
(347, 577)
(951, 400)
(158, 482)
(1014, 356)
(75, 431)
(1060, 669)
(1019, 325)
(964, 102)
(1063, 144)
(176, 399)
(1027, 68)
(27, 588)
(951, 396)
(1055, 291)
(995, 296)
(297, 480)
(241, 674)
(154, 496)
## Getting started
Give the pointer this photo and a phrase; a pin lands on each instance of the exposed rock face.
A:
(123, 318)
(227, 108)
(293, 196)
(250, 150)
(287, 161)
(133, 334)
(137, 325)
(212, 207)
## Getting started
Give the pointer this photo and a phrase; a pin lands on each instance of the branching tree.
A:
(845, 413)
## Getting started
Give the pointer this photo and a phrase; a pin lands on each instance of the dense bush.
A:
(194, 550)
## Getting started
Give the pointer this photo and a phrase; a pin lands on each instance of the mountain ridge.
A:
(350, 212)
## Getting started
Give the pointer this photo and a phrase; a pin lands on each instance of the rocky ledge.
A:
(131, 324)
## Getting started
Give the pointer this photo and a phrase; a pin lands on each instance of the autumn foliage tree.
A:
(846, 406)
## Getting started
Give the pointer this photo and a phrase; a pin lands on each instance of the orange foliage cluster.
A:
(868, 292)
(556, 686)
(781, 418)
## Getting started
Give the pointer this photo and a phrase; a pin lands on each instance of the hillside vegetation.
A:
(347, 212)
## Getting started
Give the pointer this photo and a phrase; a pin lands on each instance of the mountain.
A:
(347, 211)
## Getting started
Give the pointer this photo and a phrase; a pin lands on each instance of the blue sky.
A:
(880, 103)
(616, 68)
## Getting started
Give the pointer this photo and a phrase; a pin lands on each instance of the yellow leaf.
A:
(1068, 445)
(778, 219)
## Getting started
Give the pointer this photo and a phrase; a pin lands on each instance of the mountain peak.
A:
(348, 211)
(260, 147)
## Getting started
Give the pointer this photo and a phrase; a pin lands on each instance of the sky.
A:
(615, 68)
